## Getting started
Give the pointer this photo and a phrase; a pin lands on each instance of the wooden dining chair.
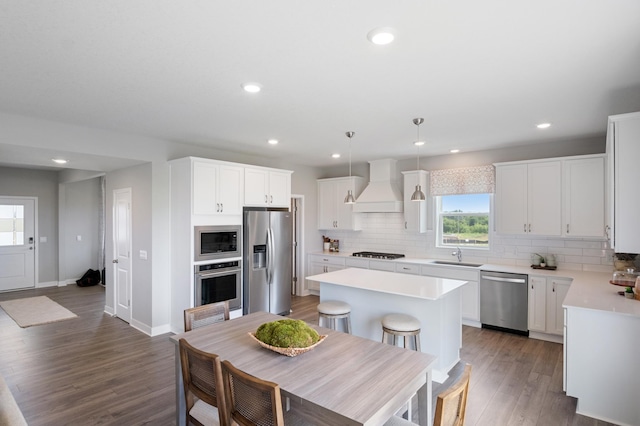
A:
(205, 315)
(250, 400)
(203, 386)
(450, 405)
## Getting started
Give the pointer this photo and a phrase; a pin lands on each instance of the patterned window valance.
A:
(467, 180)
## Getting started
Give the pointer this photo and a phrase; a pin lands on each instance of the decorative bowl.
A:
(287, 351)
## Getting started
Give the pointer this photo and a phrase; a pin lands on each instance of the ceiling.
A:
(481, 74)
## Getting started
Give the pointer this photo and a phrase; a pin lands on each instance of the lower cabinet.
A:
(545, 304)
(470, 292)
(319, 264)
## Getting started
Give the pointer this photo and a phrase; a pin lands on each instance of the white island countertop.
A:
(418, 286)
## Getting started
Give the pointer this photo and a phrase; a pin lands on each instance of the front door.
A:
(17, 243)
(122, 252)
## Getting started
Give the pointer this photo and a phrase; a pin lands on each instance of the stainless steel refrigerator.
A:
(267, 238)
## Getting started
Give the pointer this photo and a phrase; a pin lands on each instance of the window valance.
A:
(466, 180)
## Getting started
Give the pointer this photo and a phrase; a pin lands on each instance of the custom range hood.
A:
(383, 194)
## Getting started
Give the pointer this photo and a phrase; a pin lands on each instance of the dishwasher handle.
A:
(504, 280)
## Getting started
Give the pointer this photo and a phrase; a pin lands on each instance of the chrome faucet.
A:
(458, 254)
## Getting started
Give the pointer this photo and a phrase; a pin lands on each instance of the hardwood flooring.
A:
(97, 370)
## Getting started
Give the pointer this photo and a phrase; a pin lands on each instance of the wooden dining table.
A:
(345, 380)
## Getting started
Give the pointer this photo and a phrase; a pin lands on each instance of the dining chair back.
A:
(250, 400)
(203, 386)
(205, 315)
(451, 404)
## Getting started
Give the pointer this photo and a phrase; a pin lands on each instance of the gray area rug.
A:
(35, 311)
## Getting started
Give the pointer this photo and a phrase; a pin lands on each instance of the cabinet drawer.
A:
(408, 268)
(328, 260)
(456, 273)
(382, 265)
(354, 262)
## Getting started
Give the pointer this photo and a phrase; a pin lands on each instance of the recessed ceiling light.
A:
(252, 87)
(543, 125)
(454, 151)
(335, 155)
(381, 36)
(418, 143)
(59, 160)
(272, 141)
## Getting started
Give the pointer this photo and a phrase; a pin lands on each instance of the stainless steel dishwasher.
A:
(504, 301)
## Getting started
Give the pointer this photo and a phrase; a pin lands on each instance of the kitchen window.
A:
(463, 220)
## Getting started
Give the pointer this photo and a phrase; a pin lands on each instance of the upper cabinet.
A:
(217, 188)
(528, 198)
(415, 212)
(267, 187)
(333, 213)
(555, 197)
(623, 150)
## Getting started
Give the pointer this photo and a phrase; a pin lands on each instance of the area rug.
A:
(35, 311)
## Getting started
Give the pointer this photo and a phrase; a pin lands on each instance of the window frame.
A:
(438, 214)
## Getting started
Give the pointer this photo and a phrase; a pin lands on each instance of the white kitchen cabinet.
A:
(546, 295)
(584, 197)
(408, 268)
(382, 265)
(470, 292)
(267, 187)
(537, 304)
(357, 262)
(416, 213)
(623, 149)
(216, 188)
(528, 198)
(333, 213)
(320, 264)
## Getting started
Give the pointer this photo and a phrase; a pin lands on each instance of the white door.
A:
(17, 243)
(122, 252)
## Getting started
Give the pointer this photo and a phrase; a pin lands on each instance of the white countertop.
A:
(418, 286)
(589, 290)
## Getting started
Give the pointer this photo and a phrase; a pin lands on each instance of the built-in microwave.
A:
(217, 242)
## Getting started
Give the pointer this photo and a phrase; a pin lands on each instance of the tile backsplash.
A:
(384, 232)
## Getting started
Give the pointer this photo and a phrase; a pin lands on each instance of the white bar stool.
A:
(401, 325)
(333, 310)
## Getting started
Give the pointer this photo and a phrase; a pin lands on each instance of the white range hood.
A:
(383, 194)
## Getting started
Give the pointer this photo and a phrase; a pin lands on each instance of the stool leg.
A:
(418, 343)
(404, 341)
(349, 324)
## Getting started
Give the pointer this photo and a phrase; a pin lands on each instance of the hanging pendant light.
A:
(349, 199)
(418, 195)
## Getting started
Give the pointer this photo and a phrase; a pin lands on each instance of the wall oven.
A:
(217, 282)
(217, 242)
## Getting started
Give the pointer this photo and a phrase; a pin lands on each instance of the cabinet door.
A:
(584, 202)
(471, 301)
(626, 178)
(230, 194)
(415, 212)
(537, 303)
(326, 205)
(511, 199)
(544, 198)
(256, 183)
(279, 189)
(344, 212)
(556, 292)
(205, 181)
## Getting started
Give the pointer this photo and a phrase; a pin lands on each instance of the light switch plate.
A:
(143, 254)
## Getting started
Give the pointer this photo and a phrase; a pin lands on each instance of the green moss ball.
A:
(287, 333)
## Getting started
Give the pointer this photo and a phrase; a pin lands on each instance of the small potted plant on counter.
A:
(628, 293)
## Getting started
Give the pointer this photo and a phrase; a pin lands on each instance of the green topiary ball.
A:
(287, 333)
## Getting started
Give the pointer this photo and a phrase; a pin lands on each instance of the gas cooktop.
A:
(376, 255)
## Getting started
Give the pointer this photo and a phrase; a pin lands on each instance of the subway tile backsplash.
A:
(384, 232)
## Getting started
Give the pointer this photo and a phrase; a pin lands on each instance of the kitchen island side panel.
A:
(441, 319)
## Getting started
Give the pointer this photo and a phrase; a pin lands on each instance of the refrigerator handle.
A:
(269, 254)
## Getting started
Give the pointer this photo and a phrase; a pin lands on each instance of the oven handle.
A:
(215, 274)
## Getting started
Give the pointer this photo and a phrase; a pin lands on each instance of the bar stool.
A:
(401, 325)
(333, 310)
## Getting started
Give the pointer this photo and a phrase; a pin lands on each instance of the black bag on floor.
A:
(89, 278)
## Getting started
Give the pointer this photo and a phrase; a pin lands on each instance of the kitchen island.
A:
(436, 302)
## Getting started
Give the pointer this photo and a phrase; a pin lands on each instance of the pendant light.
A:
(418, 195)
(349, 199)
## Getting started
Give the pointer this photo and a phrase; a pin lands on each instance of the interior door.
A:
(17, 243)
(122, 252)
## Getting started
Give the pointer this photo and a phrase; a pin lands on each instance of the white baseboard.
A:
(109, 310)
(471, 323)
(48, 284)
(546, 337)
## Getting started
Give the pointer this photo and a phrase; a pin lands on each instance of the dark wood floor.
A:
(97, 370)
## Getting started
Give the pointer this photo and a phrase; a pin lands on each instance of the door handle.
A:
(529, 227)
(567, 228)
(266, 200)
(272, 199)
(221, 207)
(114, 261)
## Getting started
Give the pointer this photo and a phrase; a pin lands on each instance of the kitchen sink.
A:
(446, 262)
